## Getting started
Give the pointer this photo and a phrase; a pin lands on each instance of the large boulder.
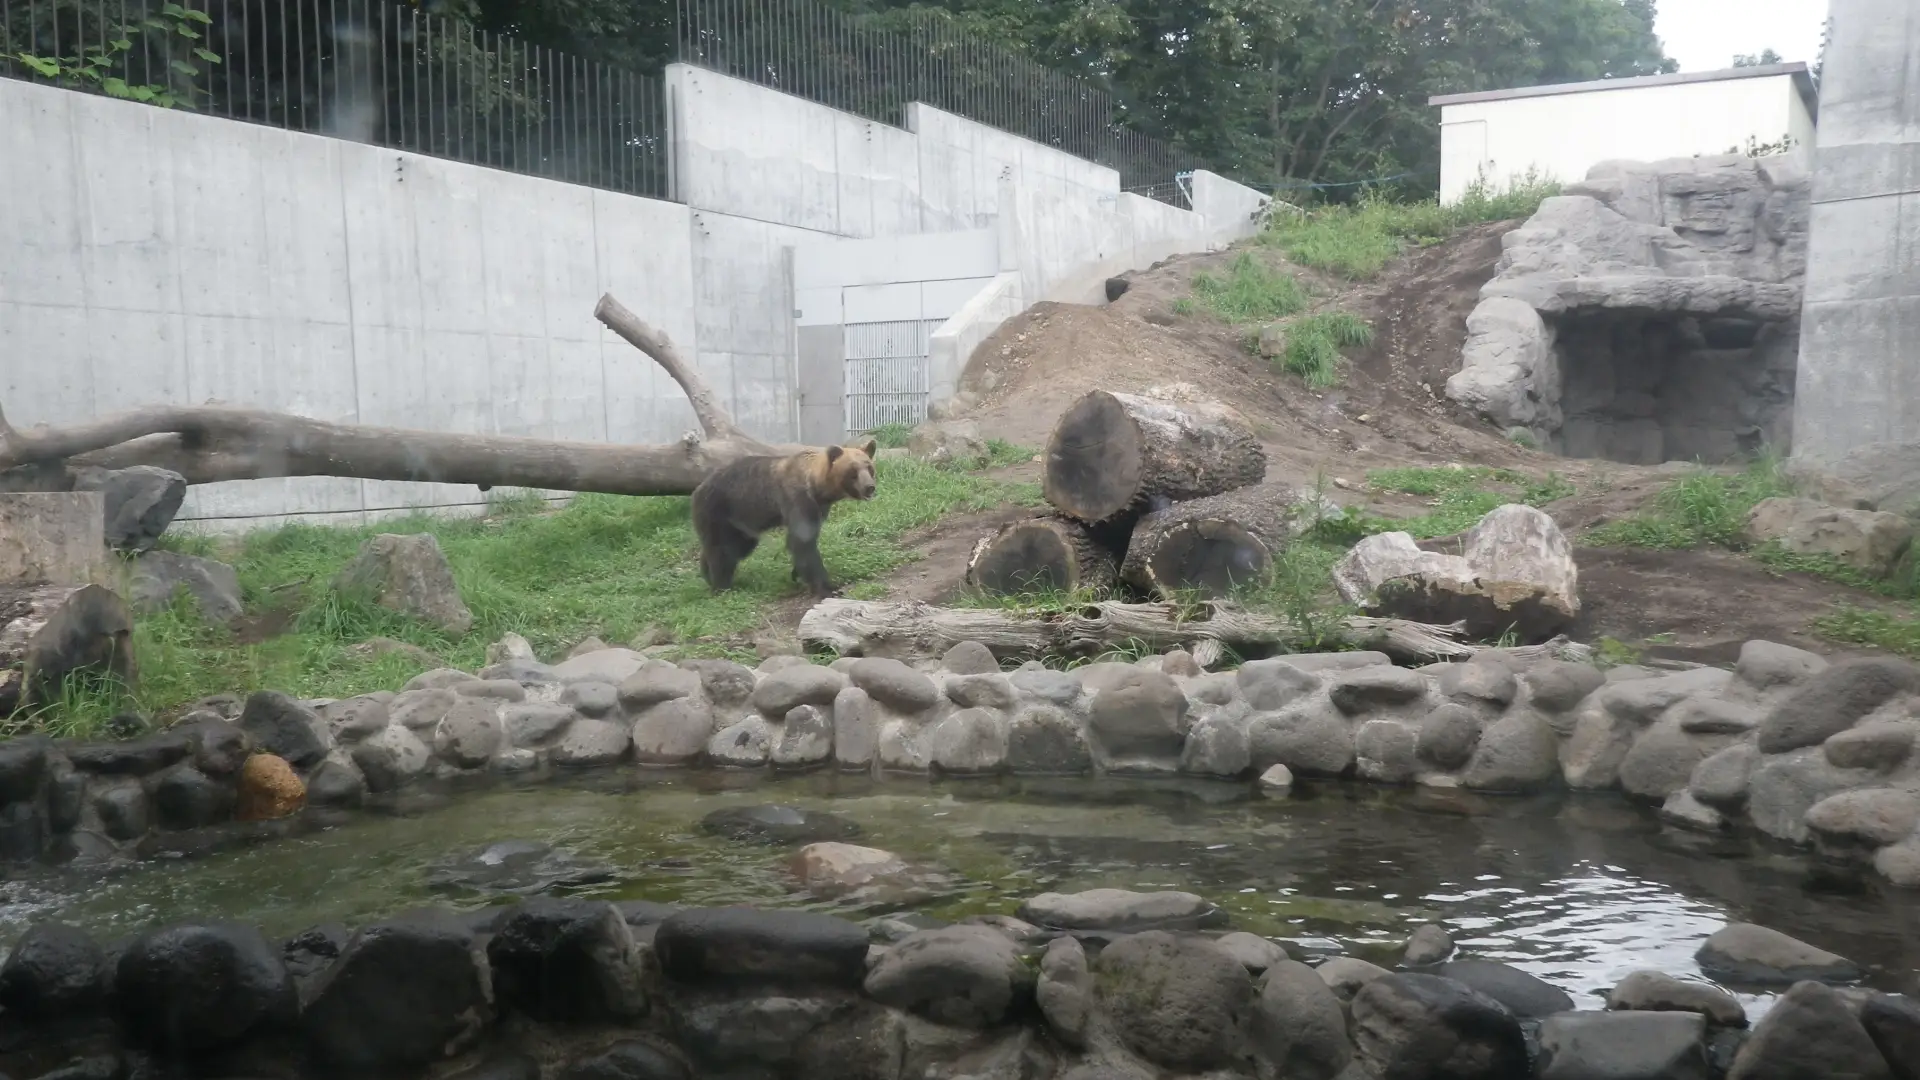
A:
(408, 574)
(1876, 476)
(194, 989)
(1655, 991)
(140, 502)
(1515, 573)
(1872, 541)
(1758, 956)
(569, 961)
(1833, 700)
(747, 945)
(1809, 1032)
(403, 995)
(1423, 1027)
(1178, 1002)
(1624, 1046)
(1144, 714)
(159, 576)
(1298, 1025)
(1121, 910)
(53, 972)
(960, 976)
(947, 442)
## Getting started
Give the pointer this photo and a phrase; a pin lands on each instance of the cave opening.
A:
(1644, 389)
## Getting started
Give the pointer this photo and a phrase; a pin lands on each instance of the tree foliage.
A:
(1760, 59)
(1277, 92)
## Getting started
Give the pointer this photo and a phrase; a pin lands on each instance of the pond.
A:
(1578, 890)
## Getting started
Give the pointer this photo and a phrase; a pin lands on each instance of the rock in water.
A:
(517, 868)
(567, 961)
(1868, 540)
(1755, 955)
(1654, 991)
(1522, 994)
(54, 972)
(1515, 572)
(1809, 1032)
(408, 574)
(1298, 1024)
(1121, 910)
(1624, 1046)
(791, 948)
(780, 825)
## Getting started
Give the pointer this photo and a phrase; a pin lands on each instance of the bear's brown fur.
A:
(732, 507)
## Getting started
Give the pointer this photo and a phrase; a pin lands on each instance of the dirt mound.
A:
(1389, 408)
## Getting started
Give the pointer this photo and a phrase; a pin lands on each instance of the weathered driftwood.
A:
(911, 630)
(1115, 454)
(1210, 546)
(211, 443)
(48, 632)
(1040, 555)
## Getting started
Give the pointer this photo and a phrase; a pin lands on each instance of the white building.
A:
(1562, 131)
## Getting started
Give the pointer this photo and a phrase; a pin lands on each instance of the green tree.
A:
(1760, 59)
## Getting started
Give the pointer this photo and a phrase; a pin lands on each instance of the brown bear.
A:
(732, 507)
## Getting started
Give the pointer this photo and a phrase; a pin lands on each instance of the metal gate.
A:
(888, 374)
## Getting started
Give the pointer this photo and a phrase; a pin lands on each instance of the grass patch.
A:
(1702, 509)
(1898, 634)
(1314, 343)
(891, 436)
(1359, 239)
(1249, 292)
(606, 565)
(1461, 497)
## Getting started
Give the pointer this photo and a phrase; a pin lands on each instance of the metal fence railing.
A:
(369, 70)
(393, 75)
(874, 69)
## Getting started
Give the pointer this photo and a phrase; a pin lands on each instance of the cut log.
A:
(51, 632)
(1114, 454)
(1040, 555)
(210, 444)
(910, 630)
(1214, 545)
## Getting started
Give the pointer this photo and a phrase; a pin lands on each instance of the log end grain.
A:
(1210, 557)
(1094, 463)
(1042, 555)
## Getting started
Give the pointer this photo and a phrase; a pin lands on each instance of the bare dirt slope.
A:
(1389, 410)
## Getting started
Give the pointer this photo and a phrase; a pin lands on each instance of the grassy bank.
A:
(606, 566)
(1709, 509)
(1357, 240)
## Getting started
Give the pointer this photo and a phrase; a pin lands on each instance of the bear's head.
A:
(850, 470)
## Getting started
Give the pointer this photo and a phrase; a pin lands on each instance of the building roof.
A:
(1802, 81)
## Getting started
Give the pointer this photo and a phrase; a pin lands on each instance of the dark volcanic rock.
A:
(186, 798)
(1624, 1046)
(23, 762)
(568, 961)
(749, 945)
(1755, 955)
(403, 994)
(135, 758)
(282, 726)
(960, 976)
(1178, 1002)
(196, 988)
(632, 1060)
(1521, 993)
(1833, 700)
(1809, 1033)
(54, 972)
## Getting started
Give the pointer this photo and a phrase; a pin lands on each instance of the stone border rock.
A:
(1783, 744)
(1077, 988)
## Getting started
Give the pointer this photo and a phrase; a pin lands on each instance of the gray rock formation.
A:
(1650, 313)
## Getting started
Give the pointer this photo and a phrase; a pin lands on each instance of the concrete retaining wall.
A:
(152, 256)
(1858, 382)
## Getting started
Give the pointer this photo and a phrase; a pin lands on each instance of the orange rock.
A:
(269, 789)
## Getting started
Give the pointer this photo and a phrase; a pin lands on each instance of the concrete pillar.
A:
(1859, 367)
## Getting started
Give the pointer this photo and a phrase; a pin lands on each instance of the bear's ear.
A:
(833, 454)
(870, 447)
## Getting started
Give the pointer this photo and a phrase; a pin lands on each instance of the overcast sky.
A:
(1706, 34)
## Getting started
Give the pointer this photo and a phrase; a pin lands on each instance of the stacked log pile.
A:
(1165, 496)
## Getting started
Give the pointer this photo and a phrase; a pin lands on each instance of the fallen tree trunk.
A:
(210, 444)
(1213, 545)
(1040, 555)
(1112, 454)
(49, 633)
(911, 630)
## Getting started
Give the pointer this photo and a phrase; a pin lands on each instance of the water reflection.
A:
(1578, 890)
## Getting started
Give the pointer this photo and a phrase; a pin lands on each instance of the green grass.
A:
(1699, 510)
(1461, 497)
(891, 436)
(1899, 634)
(1249, 292)
(608, 566)
(1358, 240)
(1314, 343)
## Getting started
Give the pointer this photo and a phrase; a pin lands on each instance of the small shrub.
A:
(1314, 343)
(1895, 633)
(1699, 510)
(1358, 240)
(1250, 292)
(891, 436)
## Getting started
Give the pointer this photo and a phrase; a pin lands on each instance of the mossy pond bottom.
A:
(1578, 890)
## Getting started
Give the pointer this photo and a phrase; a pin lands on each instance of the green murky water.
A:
(1578, 890)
